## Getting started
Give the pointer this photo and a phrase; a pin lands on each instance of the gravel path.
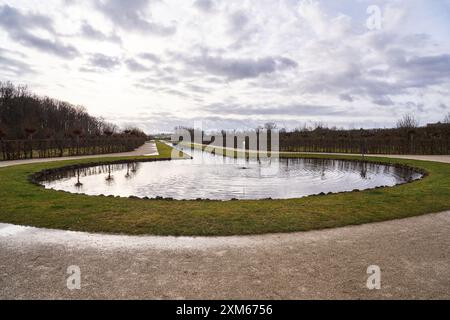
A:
(413, 254)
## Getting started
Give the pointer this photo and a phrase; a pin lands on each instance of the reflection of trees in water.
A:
(363, 172)
(365, 169)
(78, 173)
(322, 174)
(78, 184)
(132, 169)
(128, 171)
(109, 178)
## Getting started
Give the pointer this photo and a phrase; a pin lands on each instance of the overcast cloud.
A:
(234, 64)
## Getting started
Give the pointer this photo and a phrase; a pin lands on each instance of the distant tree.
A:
(110, 129)
(447, 118)
(270, 126)
(408, 121)
(320, 125)
(136, 132)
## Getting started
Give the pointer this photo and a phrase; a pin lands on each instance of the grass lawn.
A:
(24, 203)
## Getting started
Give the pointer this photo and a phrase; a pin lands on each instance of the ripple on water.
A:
(215, 177)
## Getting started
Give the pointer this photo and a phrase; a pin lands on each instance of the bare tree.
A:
(320, 125)
(270, 126)
(407, 122)
(110, 129)
(447, 118)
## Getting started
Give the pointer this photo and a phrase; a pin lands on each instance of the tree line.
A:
(34, 126)
(406, 138)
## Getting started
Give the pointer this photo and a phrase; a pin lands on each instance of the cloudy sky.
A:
(233, 64)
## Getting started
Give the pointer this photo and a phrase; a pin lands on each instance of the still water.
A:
(219, 178)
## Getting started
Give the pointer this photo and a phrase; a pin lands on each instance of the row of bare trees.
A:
(33, 126)
(27, 149)
(407, 138)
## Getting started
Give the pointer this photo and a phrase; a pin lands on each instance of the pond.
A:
(208, 176)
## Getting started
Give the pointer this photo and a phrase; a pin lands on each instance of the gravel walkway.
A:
(413, 254)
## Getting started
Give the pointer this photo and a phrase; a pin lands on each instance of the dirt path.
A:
(413, 254)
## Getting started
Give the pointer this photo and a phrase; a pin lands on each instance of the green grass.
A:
(24, 203)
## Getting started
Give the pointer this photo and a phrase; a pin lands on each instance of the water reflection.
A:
(78, 184)
(109, 178)
(364, 171)
(224, 178)
(128, 171)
